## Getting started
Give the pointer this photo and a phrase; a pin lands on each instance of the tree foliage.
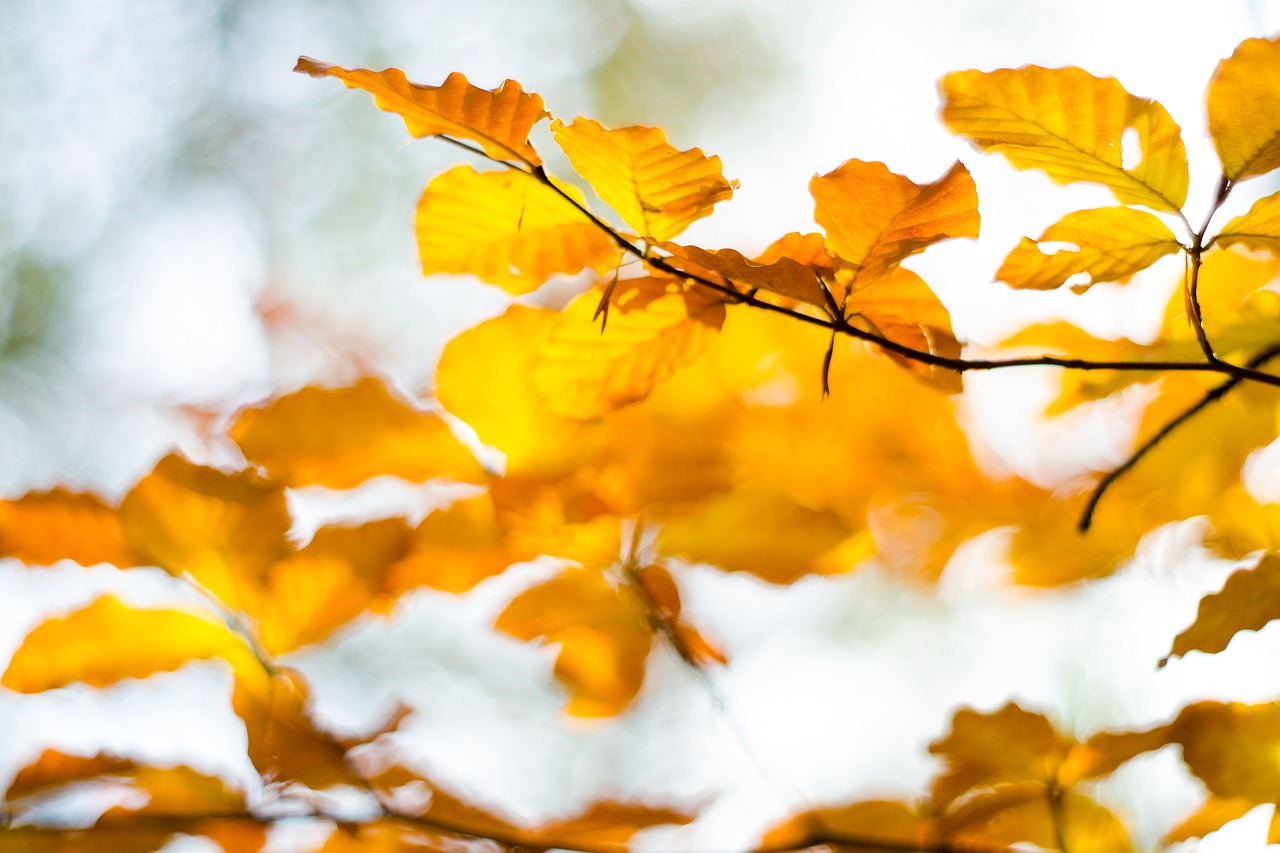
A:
(784, 415)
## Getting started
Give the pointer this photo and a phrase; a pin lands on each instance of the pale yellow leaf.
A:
(1244, 109)
(1259, 229)
(1071, 125)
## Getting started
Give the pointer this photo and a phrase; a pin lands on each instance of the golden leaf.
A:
(602, 632)
(783, 276)
(41, 528)
(900, 306)
(662, 595)
(1248, 600)
(656, 189)
(875, 219)
(1244, 109)
(1020, 813)
(1233, 748)
(1070, 124)
(656, 326)
(1259, 229)
(508, 229)
(341, 437)
(1215, 813)
(498, 119)
(108, 640)
(1112, 243)
(454, 549)
(897, 825)
(1101, 754)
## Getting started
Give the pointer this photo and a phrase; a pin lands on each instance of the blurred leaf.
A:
(1257, 230)
(1233, 748)
(1005, 746)
(1248, 600)
(1244, 109)
(454, 549)
(1214, 814)
(1070, 124)
(41, 528)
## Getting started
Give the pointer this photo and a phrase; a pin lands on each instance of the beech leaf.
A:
(1070, 124)
(508, 229)
(1112, 243)
(498, 119)
(1248, 600)
(1244, 109)
(655, 188)
(1233, 748)
(1213, 814)
(41, 528)
(783, 276)
(1259, 229)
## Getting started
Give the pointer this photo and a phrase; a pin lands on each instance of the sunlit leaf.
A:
(1070, 124)
(783, 276)
(984, 750)
(1244, 109)
(656, 326)
(499, 119)
(107, 641)
(1022, 813)
(1233, 748)
(663, 597)
(110, 839)
(1104, 752)
(1248, 600)
(602, 632)
(454, 549)
(1214, 814)
(341, 437)
(1259, 229)
(900, 306)
(1112, 243)
(43, 527)
(655, 188)
(896, 824)
(508, 229)
(874, 219)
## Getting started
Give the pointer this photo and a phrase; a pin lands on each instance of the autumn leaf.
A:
(508, 229)
(41, 528)
(1112, 243)
(662, 598)
(1233, 748)
(892, 823)
(1104, 752)
(1212, 815)
(875, 219)
(454, 549)
(900, 306)
(108, 640)
(1244, 109)
(342, 437)
(1070, 124)
(655, 188)
(1248, 600)
(1022, 813)
(656, 326)
(783, 276)
(602, 632)
(498, 119)
(1259, 229)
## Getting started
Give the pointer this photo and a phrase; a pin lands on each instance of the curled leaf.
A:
(1244, 109)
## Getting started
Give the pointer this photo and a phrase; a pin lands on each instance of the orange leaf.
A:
(603, 635)
(107, 641)
(1244, 109)
(875, 219)
(1214, 814)
(342, 437)
(661, 593)
(41, 528)
(1103, 753)
(656, 326)
(1233, 748)
(656, 189)
(1248, 600)
(1070, 124)
(454, 549)
(783, 276)
(508, 229)
(897, 825)
(498, 119)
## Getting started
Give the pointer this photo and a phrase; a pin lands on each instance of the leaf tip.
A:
(313, 67)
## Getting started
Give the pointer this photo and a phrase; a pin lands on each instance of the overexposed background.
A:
(186, 227)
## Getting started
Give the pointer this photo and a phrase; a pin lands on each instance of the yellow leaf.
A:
(106, 641)
(341, 437)
(1233, 748)
(1214, 814)
(758, 531)
(875, 219)
(1244, 109)
(1259, 229)
(897, 825)
(656, 326)
(662, 598)
(41, 528)
(1248, 600)
(508, 229)
(782, 276)
(106, 839)
(1021, 813)
(1070, 124)
(1006, 746)
(486, 378)
(1104, 752)
(498, 119)
(217, 527)
(602, 632)
(1112, 243)
(656, 189)
(454, 549)
(900, 306)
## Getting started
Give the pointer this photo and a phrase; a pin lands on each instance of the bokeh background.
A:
(186, 227)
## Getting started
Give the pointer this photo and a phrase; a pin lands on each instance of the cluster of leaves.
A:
(673, 414)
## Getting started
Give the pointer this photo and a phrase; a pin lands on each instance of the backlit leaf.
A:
(341, 437)
(106, 641)
(1248, 600)
(1005, 746)
(498, 119)
(454, 549)
(656, 326)
(1112, 243)
(896, 824)
(1214, 814)
(1104, 752)
(782, 276)
(508, 229)
(874, 219)
(900, 306)
(1233, 748)
(1259, 229)
(603, 636)
(662, 596)
(41, 528)
(656, 189)
(1070, 124)
(1244, 109)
